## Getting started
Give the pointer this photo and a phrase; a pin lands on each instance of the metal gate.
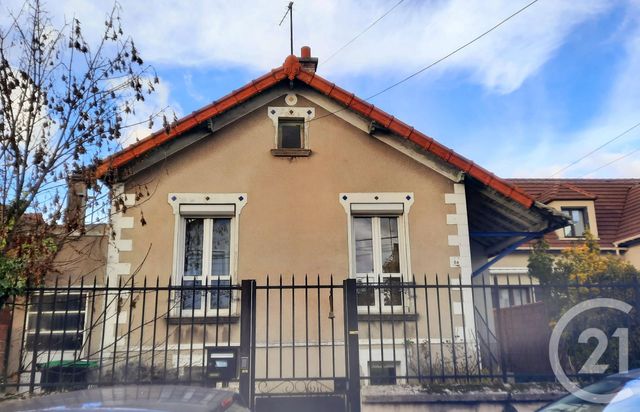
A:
(299, 345)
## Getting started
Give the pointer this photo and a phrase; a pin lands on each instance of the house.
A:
(293, 182)
(608, 208)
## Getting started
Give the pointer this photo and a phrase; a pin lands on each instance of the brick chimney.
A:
(76, 202)
(308, 63)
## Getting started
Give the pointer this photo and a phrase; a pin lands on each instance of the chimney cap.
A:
(308, 63)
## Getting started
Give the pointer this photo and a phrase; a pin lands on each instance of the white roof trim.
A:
(629, 239)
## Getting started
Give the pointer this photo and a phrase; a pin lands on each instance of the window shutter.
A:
(369, 209)
(207, 210)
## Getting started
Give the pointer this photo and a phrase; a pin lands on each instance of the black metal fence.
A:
(291, 334)
(78, 335)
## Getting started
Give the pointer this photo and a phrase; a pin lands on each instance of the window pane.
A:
(57, 341)
(363, 244)
(221, 298)
(191, 299)
(517, 297)
(58, 302)
(221, 249)
(57, 322)
(578, 222)
(389, 245)
(504, 301)
(382, 373)
(290, 136)
(392, 296)
(193, 247)
(365, 295)
(579, 225)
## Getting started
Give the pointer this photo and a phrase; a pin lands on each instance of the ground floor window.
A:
(205, 252)
(55, 322)
(206, 262)
(513, 296)
(377, 251)
(382, 373)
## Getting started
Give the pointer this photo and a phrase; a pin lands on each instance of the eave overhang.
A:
(499, 224)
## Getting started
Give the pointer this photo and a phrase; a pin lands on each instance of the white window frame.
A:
(304, 114)
(376, 205)
(207, 206)
(57, 354)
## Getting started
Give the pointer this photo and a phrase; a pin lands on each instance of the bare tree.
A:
(64, 101)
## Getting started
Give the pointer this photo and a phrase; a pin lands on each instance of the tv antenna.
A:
(290, 13)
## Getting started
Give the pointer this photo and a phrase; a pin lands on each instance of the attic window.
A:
(291, 134)
(291, 130)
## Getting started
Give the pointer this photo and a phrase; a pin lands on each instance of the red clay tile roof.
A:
(291, 70)
(616, 201)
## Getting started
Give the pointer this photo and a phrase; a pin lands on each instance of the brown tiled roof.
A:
(616, 201)
(292, 70)
(565, 191)
(630, 222)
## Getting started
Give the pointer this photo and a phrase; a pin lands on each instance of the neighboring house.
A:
(608, 208)
(290, 174)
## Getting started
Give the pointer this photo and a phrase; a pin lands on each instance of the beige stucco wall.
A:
(518, 259)
(293, 221)
(633, 255)
(82, 257)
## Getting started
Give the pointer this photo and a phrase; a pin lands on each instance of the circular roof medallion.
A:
(291, 99)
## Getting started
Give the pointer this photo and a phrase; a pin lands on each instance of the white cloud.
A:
(204, 33)
(191, 89)
(154, 105)
(620, 111)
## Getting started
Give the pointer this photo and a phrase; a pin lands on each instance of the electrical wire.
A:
(362, 32)
(613, 161)
(595, 150)
(470, 42)
(455, 51)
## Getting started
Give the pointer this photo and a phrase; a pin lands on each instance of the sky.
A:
(541, 91)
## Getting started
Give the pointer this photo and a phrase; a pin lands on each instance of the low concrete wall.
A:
(411, 399)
